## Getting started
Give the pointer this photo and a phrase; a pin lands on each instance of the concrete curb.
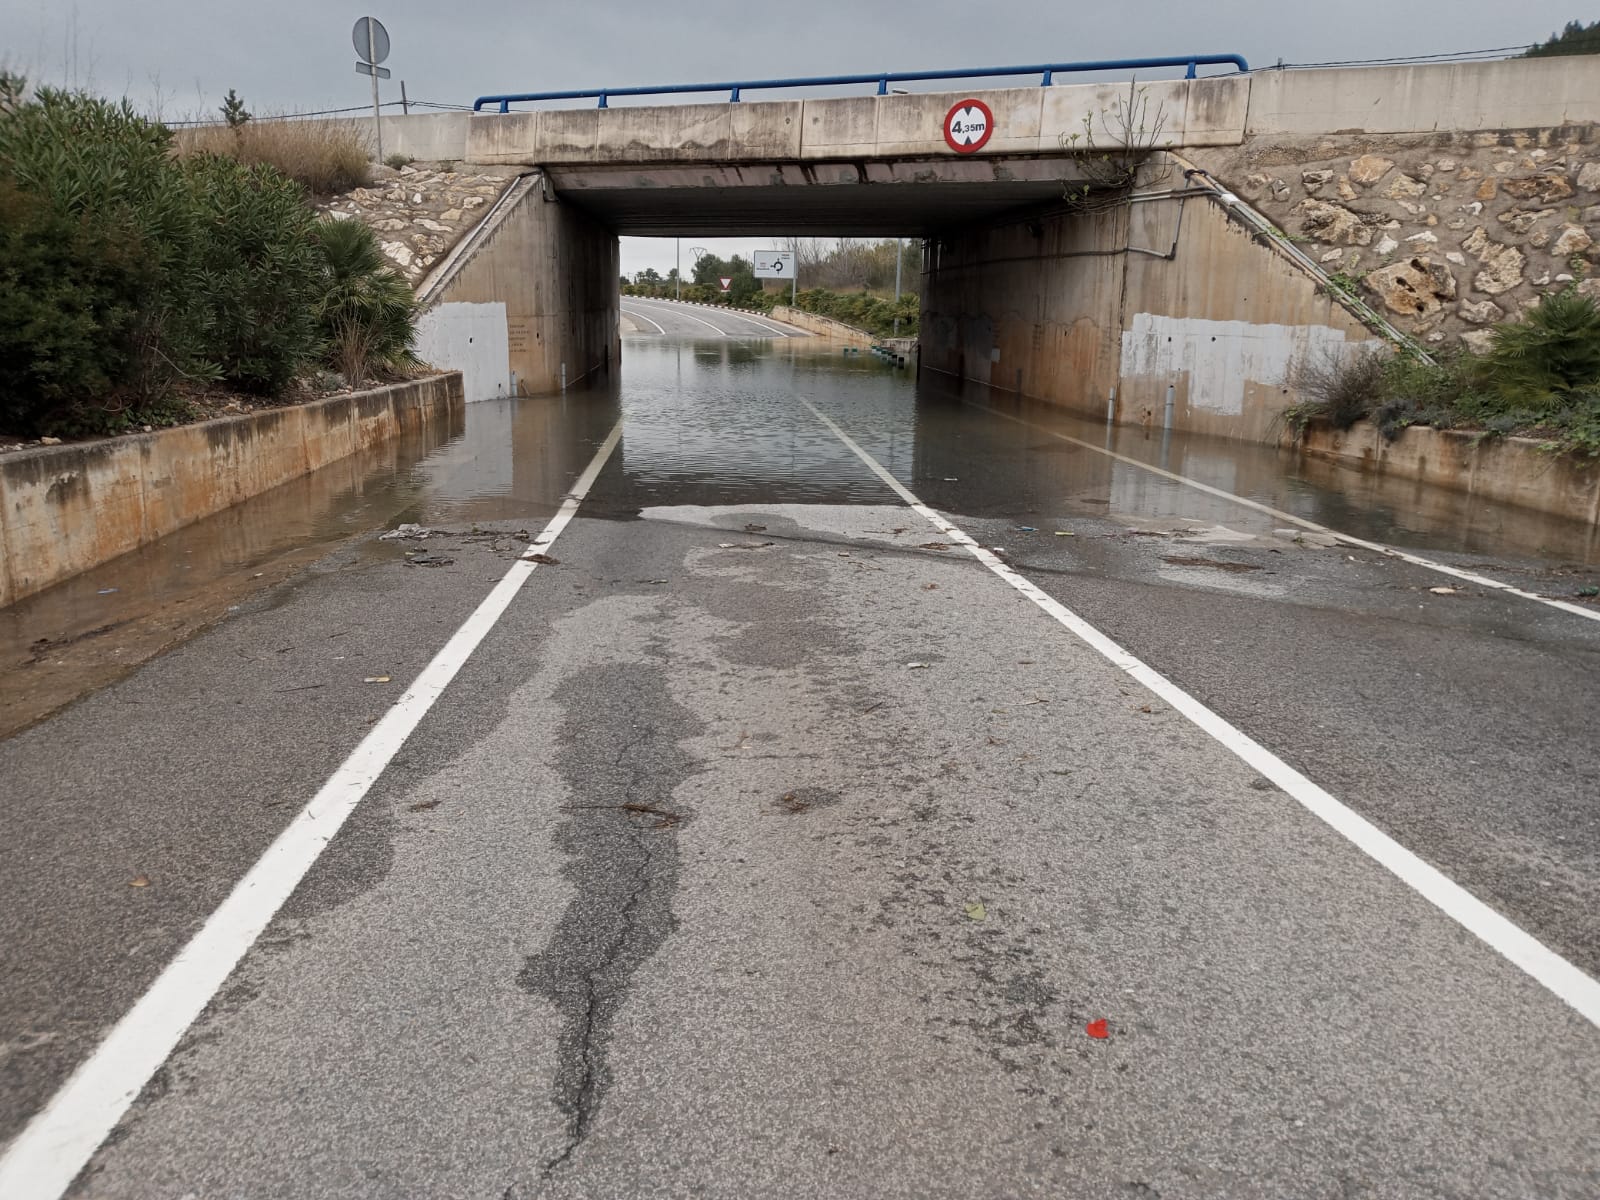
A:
(64, 509)
(1511, 470)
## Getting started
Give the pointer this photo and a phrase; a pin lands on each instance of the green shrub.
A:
(1555, 349)
(863, 310)
(99, 227)
(367, 312)
(256, 274)
(125, 269)
(1541, 377)
(71, 292)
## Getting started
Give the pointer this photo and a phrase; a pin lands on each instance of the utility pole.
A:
(677, 278)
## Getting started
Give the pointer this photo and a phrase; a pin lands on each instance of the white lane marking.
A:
(1507, 939)
(1376, 547)
(759, 323)
(45, 1158)
(698, 321)
(635, 313)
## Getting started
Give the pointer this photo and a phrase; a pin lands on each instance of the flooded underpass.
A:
(1101, 811)
(717, 422)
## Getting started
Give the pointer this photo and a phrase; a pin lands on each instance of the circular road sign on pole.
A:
(968, 126)
(371, 40)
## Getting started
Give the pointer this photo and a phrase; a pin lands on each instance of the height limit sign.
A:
(967, 126)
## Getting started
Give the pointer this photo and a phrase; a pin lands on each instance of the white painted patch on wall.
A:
(472, 339)
(1220, 358)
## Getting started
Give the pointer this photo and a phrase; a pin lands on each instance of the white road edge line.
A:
(1376, 547)
(1507, 939)
(630, 312)
(50, 1151)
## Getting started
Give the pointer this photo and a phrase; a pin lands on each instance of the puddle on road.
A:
(718, 422)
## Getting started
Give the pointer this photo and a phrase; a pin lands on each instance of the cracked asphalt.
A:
(770, 846)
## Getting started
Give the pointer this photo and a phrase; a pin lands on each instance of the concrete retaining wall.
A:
(422, 137)
(64, 509)
(1069, 308)
(472, 339)
(1507, 470)
(555, 271)
(822, 326)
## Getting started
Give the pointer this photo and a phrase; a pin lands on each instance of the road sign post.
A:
(777, 264)
(371, 41)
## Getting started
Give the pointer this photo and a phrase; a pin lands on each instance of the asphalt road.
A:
(770, 844)
(670, 319)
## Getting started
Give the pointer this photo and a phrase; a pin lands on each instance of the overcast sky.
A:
(295, 55)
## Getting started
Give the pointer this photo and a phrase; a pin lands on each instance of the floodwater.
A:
(720, 422)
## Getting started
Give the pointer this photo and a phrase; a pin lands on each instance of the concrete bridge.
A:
(766, 776)
(1029, 284)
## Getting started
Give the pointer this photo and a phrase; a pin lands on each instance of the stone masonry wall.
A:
(421, 210)
(1448, 233)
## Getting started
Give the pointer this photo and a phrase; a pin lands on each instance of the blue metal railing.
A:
(1047, 73)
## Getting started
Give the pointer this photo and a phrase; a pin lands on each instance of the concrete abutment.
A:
(549, 272)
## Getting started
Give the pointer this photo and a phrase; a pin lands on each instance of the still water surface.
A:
(719, 422)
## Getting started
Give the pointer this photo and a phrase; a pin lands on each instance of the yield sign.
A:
(726, 281)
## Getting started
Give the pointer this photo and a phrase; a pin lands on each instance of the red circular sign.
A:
(968, 126)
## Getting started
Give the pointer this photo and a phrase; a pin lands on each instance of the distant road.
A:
(669, 318)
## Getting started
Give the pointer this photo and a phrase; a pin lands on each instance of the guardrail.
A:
(1046, 71)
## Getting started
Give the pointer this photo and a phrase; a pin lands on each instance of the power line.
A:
(1456, 56)
(332, 112)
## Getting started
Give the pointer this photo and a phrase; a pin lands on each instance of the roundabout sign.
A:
(968, 126)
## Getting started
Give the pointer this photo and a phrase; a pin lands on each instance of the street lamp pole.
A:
(899, 260)
(677, 277)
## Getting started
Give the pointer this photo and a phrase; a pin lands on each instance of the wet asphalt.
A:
(769, 846)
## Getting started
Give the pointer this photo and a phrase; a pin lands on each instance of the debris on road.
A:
(793, 804)
(139, 881)
(1026, 529)
(755, 528)
(916, 666)
(1098, 1029)
(423, 805)
(952, 479)
(402, 532)
(1443, 591)
(377, 679)
(542, 560)
(419, 558)
(665, 817)
(1588, 593)
(976, 911)
(1065, 533)
(743, 545)
(1215, 563)
(930, 587)
(106, 591)
(934, 546)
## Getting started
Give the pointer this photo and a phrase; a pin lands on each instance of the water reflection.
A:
(719, 422)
